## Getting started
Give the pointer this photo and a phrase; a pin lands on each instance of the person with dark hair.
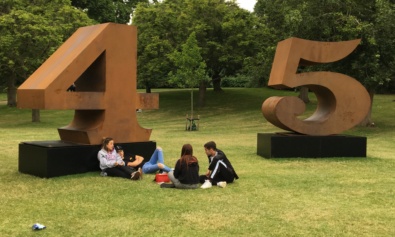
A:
(220, 170)
(112, 164)
(186, 171)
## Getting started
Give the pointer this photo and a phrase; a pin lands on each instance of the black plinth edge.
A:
(291, 145)
(48, 159)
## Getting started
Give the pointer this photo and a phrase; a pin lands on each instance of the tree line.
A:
(227, 42)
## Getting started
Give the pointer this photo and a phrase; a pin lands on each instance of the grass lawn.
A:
(273, 197)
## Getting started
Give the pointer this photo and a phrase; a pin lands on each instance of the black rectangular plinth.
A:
(288, 145)
(48, 159)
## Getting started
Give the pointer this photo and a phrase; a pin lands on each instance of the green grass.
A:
(273, 197)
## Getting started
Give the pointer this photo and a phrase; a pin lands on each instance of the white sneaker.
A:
(207, 184)
(221, 184)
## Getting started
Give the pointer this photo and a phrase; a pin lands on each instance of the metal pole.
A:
(192, 103)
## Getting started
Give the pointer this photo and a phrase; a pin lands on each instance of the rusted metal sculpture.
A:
(342, 101)
(102, 61)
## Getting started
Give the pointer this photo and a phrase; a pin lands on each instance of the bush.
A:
(236, 81)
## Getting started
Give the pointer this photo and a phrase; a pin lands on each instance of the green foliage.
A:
(338, 20)
(190, 67)
(273, 197)
(31, 32)
(236, 81)
(224, 33)
(103, 11)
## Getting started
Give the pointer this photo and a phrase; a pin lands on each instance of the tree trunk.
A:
(192, 103)
(304, 94)
(11, 92)
(367, 121)
(147, 89)
(202, 94)
(217, 84)
(35, 115)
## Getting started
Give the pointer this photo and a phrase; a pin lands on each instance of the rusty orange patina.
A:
(102, 62)
(342, 101)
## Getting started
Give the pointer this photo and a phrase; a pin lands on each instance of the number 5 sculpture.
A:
(342, 101)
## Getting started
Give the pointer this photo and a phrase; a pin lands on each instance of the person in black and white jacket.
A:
(220, 170)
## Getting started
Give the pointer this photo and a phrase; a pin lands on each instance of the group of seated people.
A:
(185, 174)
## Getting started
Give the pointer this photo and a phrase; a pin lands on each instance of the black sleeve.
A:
(129, 158)
(220, 156)
(213, 163)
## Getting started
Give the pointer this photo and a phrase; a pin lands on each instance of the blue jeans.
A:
(151, 166)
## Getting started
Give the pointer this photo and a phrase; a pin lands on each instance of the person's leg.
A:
(221, 173)
(149, 168)
(216, 180)
(160, 158)
(156, 162)
(151, 165)
(131, 172)
(227, 175)
(202, 178)
(117, 172)
(155, 156)
(187, 186)
(173, 179)
(180, 185)
(128, 170)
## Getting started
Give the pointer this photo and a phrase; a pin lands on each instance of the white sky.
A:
(247, 4)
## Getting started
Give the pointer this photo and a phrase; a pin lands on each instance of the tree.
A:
(223, 31)
(158, 35)
(103, 11)
(191, 69)
(30, 33)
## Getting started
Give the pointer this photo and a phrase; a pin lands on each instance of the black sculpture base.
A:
(291, 145)
(48, 159)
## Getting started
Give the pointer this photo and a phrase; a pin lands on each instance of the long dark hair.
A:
(105, 142)
(187, 154)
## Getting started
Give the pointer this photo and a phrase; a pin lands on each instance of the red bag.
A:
(162, 178)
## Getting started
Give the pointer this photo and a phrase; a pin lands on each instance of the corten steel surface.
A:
(101, 60)
(342, 101)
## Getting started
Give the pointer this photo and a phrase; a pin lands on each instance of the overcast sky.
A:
(247, 4)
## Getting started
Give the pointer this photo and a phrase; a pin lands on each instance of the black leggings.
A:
(120, 171)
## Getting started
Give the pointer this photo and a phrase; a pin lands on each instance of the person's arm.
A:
(219, 156)
(119, 160)
(213, 164)
(208, 173)
(136, 162)
(104, 163)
